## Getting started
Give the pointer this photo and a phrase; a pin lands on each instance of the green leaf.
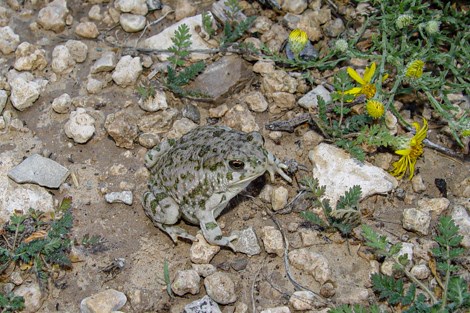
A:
(388, 288)
(373, 240)
(458, 292)
(351, 198)
(313, 218)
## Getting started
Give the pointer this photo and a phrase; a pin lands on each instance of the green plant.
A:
(10, 303)
(29, 240)
(178, 75)
(455, 295)
(344, 218)
(166, 276)
(234, 27)
(146, 91)
(207, 24)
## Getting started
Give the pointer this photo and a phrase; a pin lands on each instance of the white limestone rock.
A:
(127, 71)
(29, 57)
(338, 171)
(25, 89)
(8, 40)
(53, 16)
(80, 126)
(132, 23)
(62, 60)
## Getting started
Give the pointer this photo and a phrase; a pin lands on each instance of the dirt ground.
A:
(130, 235)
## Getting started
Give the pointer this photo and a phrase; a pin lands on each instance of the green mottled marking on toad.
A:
(196, 176)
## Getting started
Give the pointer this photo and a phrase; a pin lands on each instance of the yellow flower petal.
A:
(353, 91)
(354, 75)
(369, 72)
(403, 152)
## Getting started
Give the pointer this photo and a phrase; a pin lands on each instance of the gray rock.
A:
(125, 197)
(279, 198)
(239, 117)
(223, 78)
(220, 288)
(204, 270)
(122, 127)
(3, 99)
(94, 86)
(272, 240)
(106, 63)
(127, 71)
(181, 127)
(62, 104)
(39, 170)
(302, 300)
(201, 251)
(186, 281)
(416, 220)
(203, 305)
(103, 302)
(132, 23)
(310, 100)
(278, 81)
(191, 112)
(52, 17)
(247, 241)
(239, 264)
(148, 140)
(279, 309)
(77, 49)
(420, 271)
(294, 6)
(94, 13)
(154, 5)
(62, 60)
(434, 205)
(184, 8)
(334, 28)
(80, 126)
(338, 171)
(157, 123)
(32, 294)
(29, 57)
(462, 220)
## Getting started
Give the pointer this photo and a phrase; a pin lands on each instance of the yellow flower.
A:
(375, 109)
(367, 88)
(297, 41)
(414, 70)
(410, 153)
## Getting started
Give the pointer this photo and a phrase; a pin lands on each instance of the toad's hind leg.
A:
(164, 212)
(212, 232)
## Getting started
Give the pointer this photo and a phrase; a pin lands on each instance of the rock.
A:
(39, 170)
(279, 198)
(94, 13)
(239, 117)
(52, 17)
(62, 104)
(223, 78)
(127, 71)
(25, 90)
(356, 295)
(239, 264)
(261, 25)
(183, 9)
(32, 294)
(275, 37)
(338, 171)
(278, 81)
(106, 63)
(434, 205)
(186, 281)
(204, 270)
(294, 6)
(218, 111)
(158, 122)
(154, 5)
(132, 6)
(94, 86)
(132, 23)
(256, 101)
(264, 67)
(220, 288)
(312, 263)
(148, 140)
(163, 40)
(302, 300)
(310, 101)
(77, 49)
(247, 241)
(80, 126)
(327, 290)
(191, 112)
(203, 305)
(462, 220)
(420, 271)
(282, 101)
(311, 139)
(272, 240)
(334, 28)
(122, 127)
(279, 309)
(125, 197)
(3, 100)
(62, 61)
(418, 184)
(29, 57)
(181, 127)
(87, 30)
(104, 302)
(201, 251)
(154, 103)
(416, 220)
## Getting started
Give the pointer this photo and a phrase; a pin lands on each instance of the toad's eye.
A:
(236, 165)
